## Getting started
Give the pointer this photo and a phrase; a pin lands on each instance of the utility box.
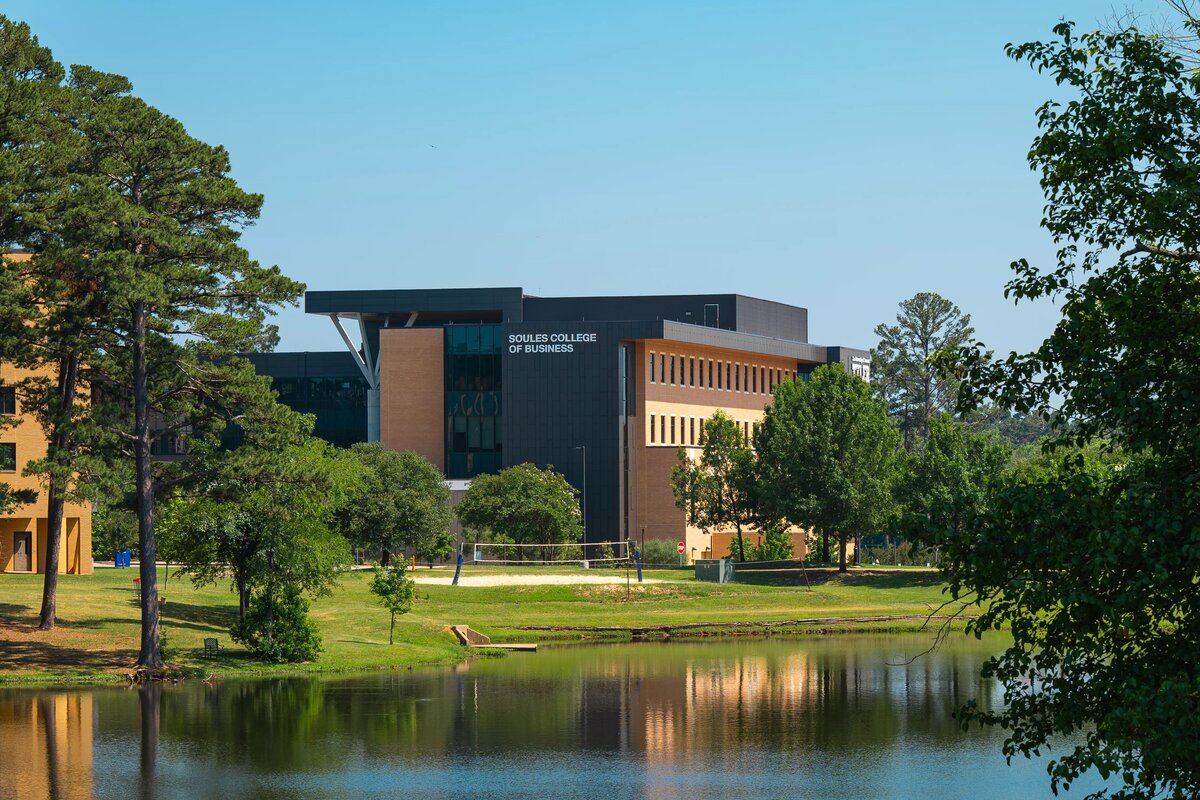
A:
(715, 570)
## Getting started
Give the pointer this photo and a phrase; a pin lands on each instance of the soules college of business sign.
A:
(548, 342)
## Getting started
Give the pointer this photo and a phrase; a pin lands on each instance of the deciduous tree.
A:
(716, 491)
(402, 501)
(826, 455)
(525, 504)
(396, 592)
(1094, 569)
(947, 481)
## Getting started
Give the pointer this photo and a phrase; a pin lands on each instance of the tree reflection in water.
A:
(639, 716)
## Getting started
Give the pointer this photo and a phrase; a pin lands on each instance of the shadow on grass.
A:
(34, 654)
(10, 612)
(200, 618)
(174, 615)
(821, 576)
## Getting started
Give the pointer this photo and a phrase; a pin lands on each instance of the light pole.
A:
(583, 447)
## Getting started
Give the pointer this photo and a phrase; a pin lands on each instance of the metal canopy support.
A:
(369, 369)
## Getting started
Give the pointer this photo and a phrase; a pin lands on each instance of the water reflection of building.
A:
(46, 742)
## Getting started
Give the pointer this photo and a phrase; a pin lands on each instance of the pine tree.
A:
(901, 372)
(159, 219)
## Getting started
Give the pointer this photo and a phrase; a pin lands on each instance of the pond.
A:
(814, 717)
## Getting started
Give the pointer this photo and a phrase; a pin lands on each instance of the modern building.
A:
(604, 389)
(23, 529)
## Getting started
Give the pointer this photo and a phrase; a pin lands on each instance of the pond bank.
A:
(97, 635)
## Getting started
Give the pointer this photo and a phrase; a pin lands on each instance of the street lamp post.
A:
(583, 447)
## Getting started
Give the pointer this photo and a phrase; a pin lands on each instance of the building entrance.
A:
(22, 552)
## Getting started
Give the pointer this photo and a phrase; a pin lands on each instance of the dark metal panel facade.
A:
(562, 391)
(769, 318)
(506, 301)
(689, 308)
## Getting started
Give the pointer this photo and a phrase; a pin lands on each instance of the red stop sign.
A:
(681, 547)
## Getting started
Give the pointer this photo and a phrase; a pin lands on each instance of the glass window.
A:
(737, 377)
(8, 457)
(652, 367)
(710, 369)
(8, 400)
(651, 429)
(672, 429)
(691, 372)
(458, 434)
(487, 439)
(720, 383)
(702, 430)
(691, 430)
(662, 428)
(755, 379)
(662, 368)
(672, 370)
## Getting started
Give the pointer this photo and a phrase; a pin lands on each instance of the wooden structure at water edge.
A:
(476, 639)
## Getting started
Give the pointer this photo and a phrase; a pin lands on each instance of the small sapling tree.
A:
(396, 592)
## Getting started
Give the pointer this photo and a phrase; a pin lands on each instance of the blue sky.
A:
(838, 156)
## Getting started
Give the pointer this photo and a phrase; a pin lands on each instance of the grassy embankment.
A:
(96, 639)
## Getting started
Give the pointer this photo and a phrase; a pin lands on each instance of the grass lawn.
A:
(97, 635)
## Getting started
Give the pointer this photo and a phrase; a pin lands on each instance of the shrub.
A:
(277, 628)
(776, 546)
(660, 553)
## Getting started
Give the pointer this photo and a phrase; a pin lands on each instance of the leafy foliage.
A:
(948, 480)
(827, 457)
(717, 490)
(401, 501)
(156, 221)
(276, 628)
(525, 504)
(265, 521)
(396, 592)
(776, 545)
(1093, 563)
(660, 552)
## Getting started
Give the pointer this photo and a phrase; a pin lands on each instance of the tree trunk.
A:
(150, 711)
(243, 596)
(392, 630)
(68, 369)
(857, 550)
(824, 546)
(54, 782)
(384, 557)
(741, 544)
(150, 655)
(842, 538)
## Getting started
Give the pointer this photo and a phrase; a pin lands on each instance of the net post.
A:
(457, 569)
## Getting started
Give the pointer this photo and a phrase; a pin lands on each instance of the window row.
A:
(708, 373)
(688, 431)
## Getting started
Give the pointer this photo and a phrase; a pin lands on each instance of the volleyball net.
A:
(508, 554)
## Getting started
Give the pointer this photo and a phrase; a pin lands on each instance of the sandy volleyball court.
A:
(476, 579)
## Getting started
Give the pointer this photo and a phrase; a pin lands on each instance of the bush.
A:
(660, 553)
(278, 629)
(902, 554)
(776, 546)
